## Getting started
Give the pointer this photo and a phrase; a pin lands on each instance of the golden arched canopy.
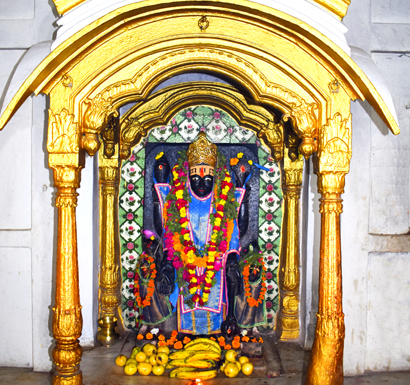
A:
(280, 63)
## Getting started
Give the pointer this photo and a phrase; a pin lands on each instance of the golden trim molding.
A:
(63, 6)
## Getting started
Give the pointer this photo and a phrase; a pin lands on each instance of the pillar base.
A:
(75, 379)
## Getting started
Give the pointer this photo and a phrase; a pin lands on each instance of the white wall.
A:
(376, 206)
(27, 220)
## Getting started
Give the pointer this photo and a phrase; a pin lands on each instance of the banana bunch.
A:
(201, 354)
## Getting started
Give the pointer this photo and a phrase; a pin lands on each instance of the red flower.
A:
(220, 208)
(216, 228)
(196, 298)
(224, 197)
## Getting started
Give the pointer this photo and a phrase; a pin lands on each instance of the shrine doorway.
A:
(299, 69)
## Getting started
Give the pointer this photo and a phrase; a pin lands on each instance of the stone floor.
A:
(286, 361)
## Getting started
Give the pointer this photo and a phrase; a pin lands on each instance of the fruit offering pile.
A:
(199, 359)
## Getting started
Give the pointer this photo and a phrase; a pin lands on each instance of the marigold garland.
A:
(181, 249)
(151, 283)
(246, 272)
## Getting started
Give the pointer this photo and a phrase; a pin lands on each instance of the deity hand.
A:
(165, 281)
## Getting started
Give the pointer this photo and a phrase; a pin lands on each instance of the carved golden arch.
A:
(158, 109)
(304, 115)
(281, 62)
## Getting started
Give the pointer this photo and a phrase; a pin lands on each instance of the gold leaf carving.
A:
(62, 133)
(273, 133)
(181, 58)
(67, 323)
(335, 145)
(303, 116)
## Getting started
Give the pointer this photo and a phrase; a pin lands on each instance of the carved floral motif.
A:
(63, 133)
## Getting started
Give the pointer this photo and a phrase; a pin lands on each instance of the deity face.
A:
(201, 177)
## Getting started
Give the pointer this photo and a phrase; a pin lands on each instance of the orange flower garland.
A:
(251, 301)
(151, 284)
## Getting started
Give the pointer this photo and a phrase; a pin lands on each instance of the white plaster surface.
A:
(26, 66)
(389, 210)
(388, 336)
(391, 37)
(306, 11)
(85, 250)
(390, 11)
(44, 241)
(358, 23)
(15, 297)
(15, 174)
(15, 149)
(355, 238)
(16, 9)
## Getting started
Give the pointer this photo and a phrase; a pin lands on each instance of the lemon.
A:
(231, 370)
(140, 357)
(131, 361)
(131, 369)
(158, 370)
(247, 368)
(163, 349)
(121, 360)
(238, 364)
(230, 355)
(243, 359)
(144, 368)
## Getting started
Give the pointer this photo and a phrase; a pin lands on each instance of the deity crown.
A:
(202, 151)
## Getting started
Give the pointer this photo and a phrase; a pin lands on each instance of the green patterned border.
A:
(184, 127)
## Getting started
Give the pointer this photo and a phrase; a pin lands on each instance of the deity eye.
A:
(242, 168)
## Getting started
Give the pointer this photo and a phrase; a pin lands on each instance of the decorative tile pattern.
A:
(184, 127)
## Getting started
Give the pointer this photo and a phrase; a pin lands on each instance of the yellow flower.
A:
(240, 155)
(225, 190)
(159, 155)
(217, 223)
(222, 202)
(186, 237)
(208, 280)
(209, 274)
(191, 271)
(193, 290)
(180, 194)
(183, 212)
(194, 280)
(185, 224)
(250, 162)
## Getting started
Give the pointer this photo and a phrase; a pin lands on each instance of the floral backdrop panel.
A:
(219, 127)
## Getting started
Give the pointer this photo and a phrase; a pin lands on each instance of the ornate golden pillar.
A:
(66, 161)
(287, 319)
(326, 360)
(109, 277)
